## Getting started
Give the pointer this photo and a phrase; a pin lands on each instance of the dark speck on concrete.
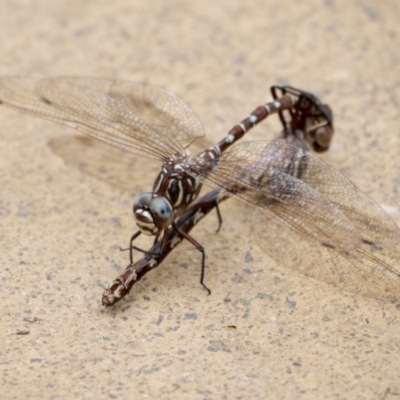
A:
(115, 265)
(101, 284)
(264, 296)
(239, 59)
(22, 212)
(175, 328)
(244, 302)
(159, 320)
(297, 364)
(247, 271)
(183, 265)
(116, 220)
(248, 257)
(190, 316)
(45, 100)
(371, 13)
(218, 345)
(290, 304)
(277, 280)
(36, 360)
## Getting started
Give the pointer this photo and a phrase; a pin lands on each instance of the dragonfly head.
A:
(319, 128)
(152, 214)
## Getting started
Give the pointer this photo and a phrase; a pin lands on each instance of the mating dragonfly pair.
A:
(312, 217)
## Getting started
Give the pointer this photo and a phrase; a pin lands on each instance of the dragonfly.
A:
(333, 230)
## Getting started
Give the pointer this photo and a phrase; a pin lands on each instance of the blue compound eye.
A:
(162, 212)
(142, 201)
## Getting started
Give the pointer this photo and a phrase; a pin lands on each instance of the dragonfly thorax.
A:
(176, 183)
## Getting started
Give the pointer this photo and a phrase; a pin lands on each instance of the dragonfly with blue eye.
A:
(317, 221)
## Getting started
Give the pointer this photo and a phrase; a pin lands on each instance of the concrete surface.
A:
(266, 331)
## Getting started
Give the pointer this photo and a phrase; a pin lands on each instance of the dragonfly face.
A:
(319, 127)
(152, 213)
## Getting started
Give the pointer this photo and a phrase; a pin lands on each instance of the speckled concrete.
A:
(266, 331)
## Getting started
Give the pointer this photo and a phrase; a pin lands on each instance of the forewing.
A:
(108, 164)
(118, 168)
(142, 119)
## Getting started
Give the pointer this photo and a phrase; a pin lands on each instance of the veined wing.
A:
(109, 164)
(142, 119)
(105, 163)
(344, 237)
(364, 270)
(372, 223)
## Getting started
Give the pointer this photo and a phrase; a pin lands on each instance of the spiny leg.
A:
(198, 247)
(219, 218)
(132, 247)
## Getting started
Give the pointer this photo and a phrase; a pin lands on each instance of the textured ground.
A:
(266, 331)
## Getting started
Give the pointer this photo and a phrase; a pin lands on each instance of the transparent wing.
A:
(364, 270)
(142, 119)
(109, 164)
(316, 213)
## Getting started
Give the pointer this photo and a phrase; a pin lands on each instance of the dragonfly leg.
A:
(156, 239)
(219, 218)
(198, 247)
(132, 247)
